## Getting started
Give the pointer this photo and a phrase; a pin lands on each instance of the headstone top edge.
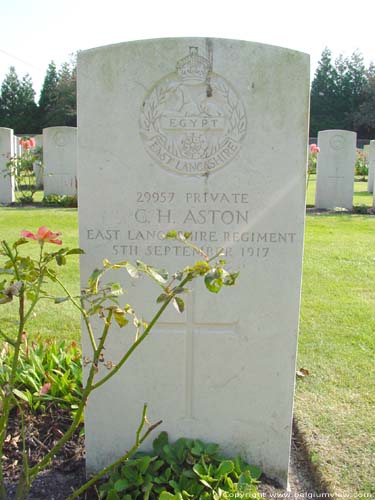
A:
(191, 39)
(334, 130)
(58, 127)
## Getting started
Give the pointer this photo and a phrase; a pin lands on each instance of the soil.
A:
(66, 472)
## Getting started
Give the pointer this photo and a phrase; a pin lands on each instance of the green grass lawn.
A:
(361, 196)
(335, 404)
(60, 320)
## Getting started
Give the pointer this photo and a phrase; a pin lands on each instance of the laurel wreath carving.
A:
(151, 114)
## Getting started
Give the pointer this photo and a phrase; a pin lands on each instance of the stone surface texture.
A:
(208, 136)
(6, 151)
(60, 160)
(335, 169)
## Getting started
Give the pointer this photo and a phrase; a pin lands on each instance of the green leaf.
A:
(121, 485)
(225, 468)
(229, 279)
(171, 234)
(143, 463)
(181, 289)
(120, 317)
(75, 251)
(201, 267)
(132, 270)
(21, 241)
(165, 495)
(21, 395)
(160, 442)
(211, 449)
(213, 280)
(116, 289)
(200, 470)
(93, 280)
(255, 471)
(59, 300)
(112, 495)
(178, 304)
(245, 479)
(160, 275)
(60, 260)
(162, 298)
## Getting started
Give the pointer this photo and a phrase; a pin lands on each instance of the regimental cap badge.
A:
(193, 68)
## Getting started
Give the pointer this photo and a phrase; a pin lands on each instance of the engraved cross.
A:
(192, 328)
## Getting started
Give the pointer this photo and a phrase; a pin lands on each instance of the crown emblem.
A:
(193, 67)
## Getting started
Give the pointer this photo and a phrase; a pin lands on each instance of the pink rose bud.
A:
(45, 389)
(314, 148)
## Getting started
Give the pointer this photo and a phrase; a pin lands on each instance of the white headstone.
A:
(16, 146)
(38, 168)
(335, 169)
(370, 150)
(210, 137)
(60, 160)
(6, 152)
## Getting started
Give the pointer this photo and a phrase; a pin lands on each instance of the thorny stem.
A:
(128, 353)
(138, 441)
(88, 389)
(9, 389)
(82, 311)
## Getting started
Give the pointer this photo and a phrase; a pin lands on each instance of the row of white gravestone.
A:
(336, 168)
(59, 175)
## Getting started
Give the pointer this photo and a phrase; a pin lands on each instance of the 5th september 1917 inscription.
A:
(192, 121)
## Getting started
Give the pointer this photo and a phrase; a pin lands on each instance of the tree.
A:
(9, 98)
(28, 122)
(364, 118)
(337, 92)
(351, 82)
(17, 105)
(67, 93)
(48, 97)
(63, 103)
(323, 95)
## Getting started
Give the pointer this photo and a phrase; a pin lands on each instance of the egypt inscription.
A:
(192, 122)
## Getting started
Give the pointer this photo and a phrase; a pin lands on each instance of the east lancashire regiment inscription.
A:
(216, 221)
(192, 121)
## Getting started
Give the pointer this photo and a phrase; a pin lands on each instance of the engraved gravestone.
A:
(6, 152)
(60, 160)
(335, 169)
(207, 136)
(371, 165)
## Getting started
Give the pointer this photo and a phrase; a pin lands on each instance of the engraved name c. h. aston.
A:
(192, 122)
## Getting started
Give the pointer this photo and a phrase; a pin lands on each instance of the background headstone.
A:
(207, 136)
(6, 151)
(335, 169)
(370, 150)
(60, 160)
(371, 167)
(38, 169)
